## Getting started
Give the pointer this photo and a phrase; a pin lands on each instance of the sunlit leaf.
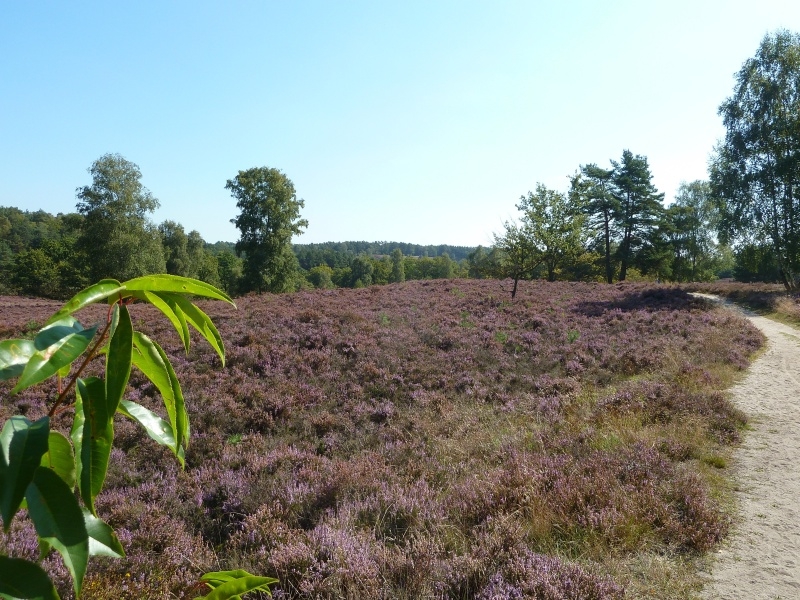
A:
(58, 519)
(118, 361)
(56, 345)
(157, 428)
(94, 293)
(25, 580)
(234, 584)
(175, 283)
(151, 360)
(14, 355)
(200, 321)
(22, 445)
(92, 435)
(170, 310)
(60, 458)
(102, 539)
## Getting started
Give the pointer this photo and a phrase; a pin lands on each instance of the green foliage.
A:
(116, 233)
(554, 229)
(755, 171)
(639, 207)
(321, 277)
(398, 273)
(40, 469)
(756, 262)
(269, 217)
(591, 189)
(693, 220)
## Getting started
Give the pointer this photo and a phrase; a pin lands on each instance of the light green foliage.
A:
(116, 234)
(321, 277)
(555, 230)
(361, 270)
(693, 219)
(398, 273)
(38, 253)
(550, 234)
(229, 268)
(269, 217)
(41, 469)
(755, 172)
(517, 256)
(381, 270)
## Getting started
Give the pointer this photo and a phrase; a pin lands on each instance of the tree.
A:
(554, 229)
(175, 243)
(229, 269)
(755, 171)
(321, 277)
(117, 238)
(639, 206)
(592, 189)
(361, 271)
(693, 219)
(518, 256)
(398, 274)
(270, 215)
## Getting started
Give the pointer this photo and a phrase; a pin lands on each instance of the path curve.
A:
(761, 559)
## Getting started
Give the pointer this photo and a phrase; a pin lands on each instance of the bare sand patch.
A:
(761, 559)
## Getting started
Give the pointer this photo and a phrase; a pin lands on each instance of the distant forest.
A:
(42, 254)
(49, 256)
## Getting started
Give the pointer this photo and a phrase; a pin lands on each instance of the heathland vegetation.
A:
(428, 439)
(439, 431)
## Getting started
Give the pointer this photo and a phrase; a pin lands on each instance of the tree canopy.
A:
(116, 232)
(269, 217)
(755, 171)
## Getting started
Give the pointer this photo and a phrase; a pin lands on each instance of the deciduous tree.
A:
(269, 217)
(755, 171)
(116, 237)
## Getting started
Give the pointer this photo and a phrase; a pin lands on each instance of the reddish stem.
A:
(89, 357)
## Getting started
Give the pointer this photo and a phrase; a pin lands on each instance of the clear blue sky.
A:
(407, 121)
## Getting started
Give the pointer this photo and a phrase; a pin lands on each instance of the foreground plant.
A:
(40, 468)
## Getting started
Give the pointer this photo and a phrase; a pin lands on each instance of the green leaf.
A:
(14, 355)
(92, 434)
(172, 312)
(58, 520)
(200, 321)
(234, 584)
(102, 539)
(60, 458)
(25, 580)
(57, 345)
(118, 361)
(175, 283)
(156, 427)
(94, 293)
(22, 445)
(151, 360)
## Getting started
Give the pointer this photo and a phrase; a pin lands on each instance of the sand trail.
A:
(761, 559)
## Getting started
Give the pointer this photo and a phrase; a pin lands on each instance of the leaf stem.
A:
(89, 357)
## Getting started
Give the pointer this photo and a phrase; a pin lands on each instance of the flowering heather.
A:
(427, 440)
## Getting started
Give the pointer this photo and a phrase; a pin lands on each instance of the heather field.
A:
(429, 440)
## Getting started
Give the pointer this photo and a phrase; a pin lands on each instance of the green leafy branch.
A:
(40, 469)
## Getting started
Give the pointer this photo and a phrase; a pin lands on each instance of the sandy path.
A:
(762, 557)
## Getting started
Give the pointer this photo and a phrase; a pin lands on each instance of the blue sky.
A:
(409, 121)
